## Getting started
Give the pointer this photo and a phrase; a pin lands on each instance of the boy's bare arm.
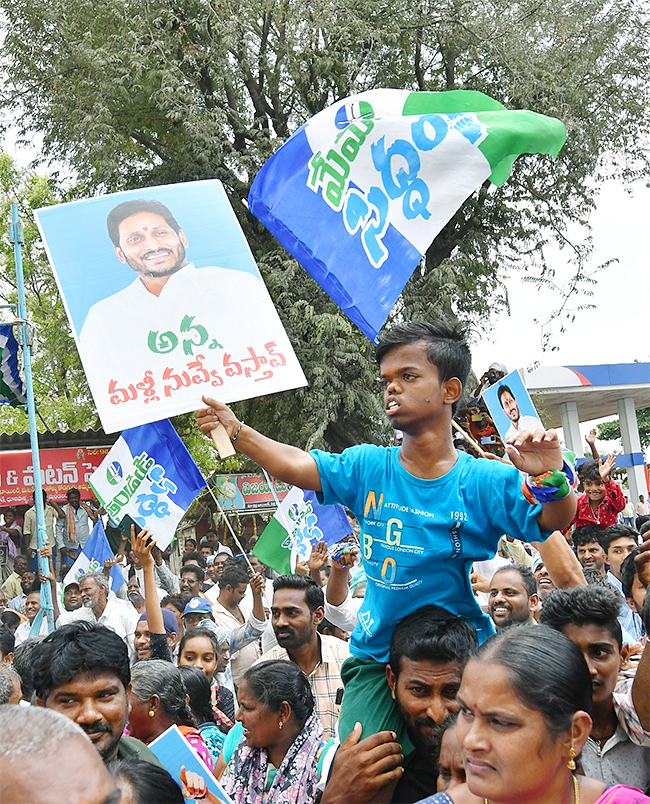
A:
(560, 561)
(282, 461)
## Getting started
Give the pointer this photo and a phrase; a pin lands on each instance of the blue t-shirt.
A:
(419, 538)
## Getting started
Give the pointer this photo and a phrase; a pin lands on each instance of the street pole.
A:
(25, 340)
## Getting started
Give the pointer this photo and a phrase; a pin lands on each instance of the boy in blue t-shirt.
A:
(426, 511)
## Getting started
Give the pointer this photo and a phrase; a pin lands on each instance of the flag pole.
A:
(25, 340)
(232, 532)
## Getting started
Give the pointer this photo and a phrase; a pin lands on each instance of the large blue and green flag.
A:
(12, 391)
(359, 192)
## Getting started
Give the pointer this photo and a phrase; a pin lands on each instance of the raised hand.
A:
(535, 452)
(605, 468)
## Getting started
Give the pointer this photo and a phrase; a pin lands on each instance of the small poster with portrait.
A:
(511, 407)
(165, 302)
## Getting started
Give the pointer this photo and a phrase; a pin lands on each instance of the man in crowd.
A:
(72, 596)
(98, 608)
(45, 757)
(52, 513)
(618, 750)
(544, 581)
(28, 583)
(12, 587)
(231, 614)
(513, 596)
(633, 585)
(7, 644)
(191, 582)
(642, 507)
(73, 528)
(589, 550)
(428, 652)
(82, 670)
(618, 541)
(297, 610)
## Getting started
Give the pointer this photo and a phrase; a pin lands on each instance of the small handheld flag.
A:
(149, 475)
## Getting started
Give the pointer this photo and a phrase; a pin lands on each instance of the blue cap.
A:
(169, 619)
(197, 604)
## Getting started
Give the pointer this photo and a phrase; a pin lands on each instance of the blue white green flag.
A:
(149, 475)
(359, 192)
(12, 391)
(298, 525)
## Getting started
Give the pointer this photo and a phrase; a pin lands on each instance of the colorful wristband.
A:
(549, 486)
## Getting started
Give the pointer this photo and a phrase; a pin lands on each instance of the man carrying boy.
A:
(426, 511)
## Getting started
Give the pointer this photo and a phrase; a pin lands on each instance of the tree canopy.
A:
(611, 431)
(133, 94)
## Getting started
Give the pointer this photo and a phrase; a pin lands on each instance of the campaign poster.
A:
(511, 407)
(165, 302)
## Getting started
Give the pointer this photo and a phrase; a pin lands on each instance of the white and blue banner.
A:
(359, 192)
(12, 391)
(92, 557)
(149, 475)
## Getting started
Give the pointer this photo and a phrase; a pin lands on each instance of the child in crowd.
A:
(603, 499)
(426, 511)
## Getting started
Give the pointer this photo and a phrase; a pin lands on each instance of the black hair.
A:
(547, 671)
(72, 491)
(150, 784)
(645, 525)
(629, 572)
(594, 578)
(447, 347)
(614, 532)
(432, 634)
(7, 640)
(198, 572)
(584, 605)
(128, 208)
(194, 555)
(586, 535)
(9, 619)
(277, 681)
(590, 470)
(197, 687)
(233, 575)
(79, 647)
(23, 663)
(314, 596)
(645, 613)
(157, 677)
(527, 577)
(199, 631)
(503, 389)
(176, 600)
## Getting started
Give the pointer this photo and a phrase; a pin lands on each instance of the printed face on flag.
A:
(360, 191)
(511, 407)
(165, 302)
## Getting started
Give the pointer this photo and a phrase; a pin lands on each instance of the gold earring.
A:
(571, 765)
(151, 713)
(280, 724)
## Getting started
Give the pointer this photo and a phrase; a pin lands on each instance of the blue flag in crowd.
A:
(12, 391)
(92, 557)
(149, 475)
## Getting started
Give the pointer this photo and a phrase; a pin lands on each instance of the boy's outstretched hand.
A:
(535, 452)
(216, 413)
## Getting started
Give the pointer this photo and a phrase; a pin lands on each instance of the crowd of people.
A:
(480, 638)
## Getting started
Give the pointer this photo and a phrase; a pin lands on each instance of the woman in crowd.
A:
(524, 717)
(141, 782)
(157, 698)
(201, 647)
(213, 732)
(277, 759)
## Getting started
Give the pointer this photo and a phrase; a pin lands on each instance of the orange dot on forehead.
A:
(145, 228)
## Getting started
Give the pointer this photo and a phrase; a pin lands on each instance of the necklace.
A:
(576, 793)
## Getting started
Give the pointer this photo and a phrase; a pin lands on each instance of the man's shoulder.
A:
(129, 747)
(276, 653)
(334, 649)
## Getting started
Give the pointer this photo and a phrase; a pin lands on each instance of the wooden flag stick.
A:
(222, 441)
(468, 438)
(229, 526)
